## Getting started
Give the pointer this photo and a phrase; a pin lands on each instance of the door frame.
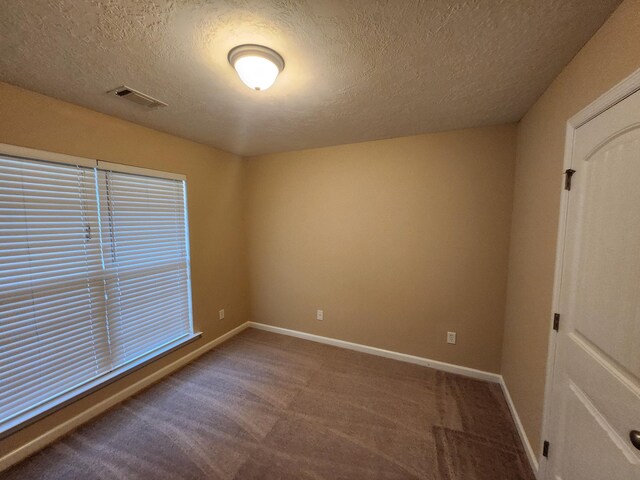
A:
(618, 93)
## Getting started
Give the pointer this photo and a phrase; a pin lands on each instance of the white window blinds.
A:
(52, 333)
(146, 263)
(94, 273)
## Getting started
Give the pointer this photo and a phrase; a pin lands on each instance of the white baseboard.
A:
(403, 357)
(51, 435)
(523, 435)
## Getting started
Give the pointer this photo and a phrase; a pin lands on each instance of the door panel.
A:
(608, 274)
(606, 391)
(596, 389)
(586, 426)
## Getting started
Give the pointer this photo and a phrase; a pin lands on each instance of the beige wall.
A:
(610, 56)
(214, 183)
(396, 240)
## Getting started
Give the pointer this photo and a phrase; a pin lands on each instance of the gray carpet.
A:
(267, 406)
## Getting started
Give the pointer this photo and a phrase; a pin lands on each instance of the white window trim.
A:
(33, 154)
(74, 394)
(119, 167)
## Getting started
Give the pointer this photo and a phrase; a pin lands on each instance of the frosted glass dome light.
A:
(257, 66)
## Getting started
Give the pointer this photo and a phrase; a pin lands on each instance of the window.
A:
(145, 262)
(94, 276)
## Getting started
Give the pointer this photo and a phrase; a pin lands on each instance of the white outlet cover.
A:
(319, 315)
(221, 314)
(451, 337)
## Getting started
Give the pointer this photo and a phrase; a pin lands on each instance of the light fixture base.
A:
(251, 49)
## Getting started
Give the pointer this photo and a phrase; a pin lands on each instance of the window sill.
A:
(25, 419)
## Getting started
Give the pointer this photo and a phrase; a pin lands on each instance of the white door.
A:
(596, 382)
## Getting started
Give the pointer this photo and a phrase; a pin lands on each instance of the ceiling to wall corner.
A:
(355, 70)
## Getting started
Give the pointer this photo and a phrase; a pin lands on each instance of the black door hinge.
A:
(567, 179)
(556, 321)
(545, 449)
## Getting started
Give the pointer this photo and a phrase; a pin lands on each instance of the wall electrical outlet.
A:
(319, 315)
(451, 337)
(221, 314)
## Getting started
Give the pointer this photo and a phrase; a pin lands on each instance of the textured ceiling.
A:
(355, 70)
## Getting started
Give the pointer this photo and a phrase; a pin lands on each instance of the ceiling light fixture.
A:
(257, 66)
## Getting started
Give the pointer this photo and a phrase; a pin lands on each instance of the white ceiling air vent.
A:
(135, 96)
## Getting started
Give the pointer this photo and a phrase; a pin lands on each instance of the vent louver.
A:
(137, 97)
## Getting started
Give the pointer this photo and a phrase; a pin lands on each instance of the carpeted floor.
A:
(267, 406)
